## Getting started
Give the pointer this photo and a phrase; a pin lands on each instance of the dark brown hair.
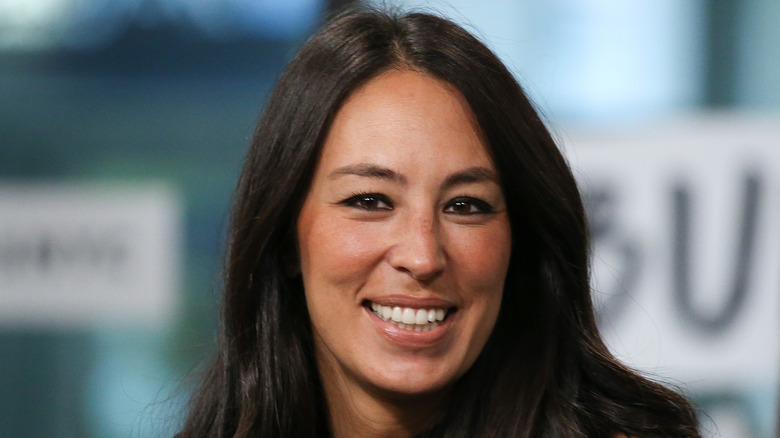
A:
(544, 372)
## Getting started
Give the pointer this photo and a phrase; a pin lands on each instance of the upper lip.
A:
(400, 300)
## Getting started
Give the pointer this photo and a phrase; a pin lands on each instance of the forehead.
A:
(403, 117)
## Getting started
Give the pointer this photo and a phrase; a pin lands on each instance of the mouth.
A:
(411, 318)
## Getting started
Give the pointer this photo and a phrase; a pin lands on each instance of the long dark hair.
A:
(544, 372)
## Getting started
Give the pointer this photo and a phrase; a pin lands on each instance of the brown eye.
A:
(370, 201)
(468, 206)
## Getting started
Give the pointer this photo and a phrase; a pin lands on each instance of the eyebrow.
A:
(368, 170)
(471, 175)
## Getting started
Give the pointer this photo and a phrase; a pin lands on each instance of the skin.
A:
(405, 209)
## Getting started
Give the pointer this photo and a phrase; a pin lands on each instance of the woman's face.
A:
(404, 239)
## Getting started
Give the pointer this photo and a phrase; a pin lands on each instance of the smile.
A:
(419, 320)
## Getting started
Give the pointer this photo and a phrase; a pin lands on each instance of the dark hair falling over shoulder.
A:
(544, 372)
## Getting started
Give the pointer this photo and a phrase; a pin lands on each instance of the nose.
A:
(418, 249)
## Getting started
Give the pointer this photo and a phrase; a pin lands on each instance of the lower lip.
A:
(410, 338)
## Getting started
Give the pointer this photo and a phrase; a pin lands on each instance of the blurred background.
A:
(123, 124)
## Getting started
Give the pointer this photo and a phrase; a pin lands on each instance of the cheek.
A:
(483, 258)
(336, 251)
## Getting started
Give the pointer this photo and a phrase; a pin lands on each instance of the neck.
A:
(366, 413)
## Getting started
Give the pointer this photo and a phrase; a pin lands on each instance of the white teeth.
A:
(409, 318)
(397, 315)
(421, 317)
(386, 312)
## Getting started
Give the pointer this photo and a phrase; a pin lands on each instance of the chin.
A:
(411, 381)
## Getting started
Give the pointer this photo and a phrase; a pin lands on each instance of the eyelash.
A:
(358, 200)
(481, 206)
(361, 200)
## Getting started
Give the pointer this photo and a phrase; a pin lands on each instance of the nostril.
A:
(418, 251)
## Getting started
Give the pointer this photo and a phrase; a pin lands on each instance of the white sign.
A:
(685, 219)
(81, 255)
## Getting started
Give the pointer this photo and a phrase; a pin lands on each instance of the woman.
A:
(409, 257)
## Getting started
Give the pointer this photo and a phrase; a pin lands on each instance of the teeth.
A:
(386, 312)
(410, 319)
(408, 316)
(397, 314)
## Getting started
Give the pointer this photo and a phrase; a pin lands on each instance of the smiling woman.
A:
(404, 246)
(408, 257)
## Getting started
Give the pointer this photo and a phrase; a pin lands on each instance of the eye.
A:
(467, 206)
(369, 201)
